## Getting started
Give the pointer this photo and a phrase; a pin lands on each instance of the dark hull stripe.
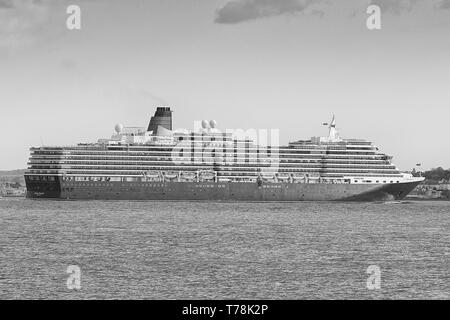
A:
(221, 191)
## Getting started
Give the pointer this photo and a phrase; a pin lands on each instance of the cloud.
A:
(6, 4)
(444, 4)
(22, 22)
(395, 6)
(237, 11)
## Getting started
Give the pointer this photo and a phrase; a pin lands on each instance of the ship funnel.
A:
(162, 117)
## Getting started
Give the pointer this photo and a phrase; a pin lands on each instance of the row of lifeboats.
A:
(202, 175)
(289, 177)
(210, 175)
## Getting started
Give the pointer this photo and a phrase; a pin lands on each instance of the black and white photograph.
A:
(224, 155)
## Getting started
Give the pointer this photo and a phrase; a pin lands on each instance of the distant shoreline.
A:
(15, 172)
(425, 199)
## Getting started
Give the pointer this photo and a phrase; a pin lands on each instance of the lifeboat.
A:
(299, 178)
(207, 175)
(268, 177)
(188, 176)
(152, 175)
(314, 178)
(171, 175)
(284, 176)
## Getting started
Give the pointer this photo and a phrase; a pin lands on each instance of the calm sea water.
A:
(191, 250)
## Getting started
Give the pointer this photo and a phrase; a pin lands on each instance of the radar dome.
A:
(118, 128)
(213, 124)
(205, 124)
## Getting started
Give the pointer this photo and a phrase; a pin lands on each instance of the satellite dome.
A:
(118, 128)
(213, 123)
(205, 124)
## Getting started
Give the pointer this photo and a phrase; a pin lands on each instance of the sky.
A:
(264, 64)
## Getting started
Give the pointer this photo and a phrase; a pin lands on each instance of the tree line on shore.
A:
(434, 175)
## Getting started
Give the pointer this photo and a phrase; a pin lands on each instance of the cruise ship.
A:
(159, 163)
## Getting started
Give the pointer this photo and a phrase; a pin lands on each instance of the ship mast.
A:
(333, 134)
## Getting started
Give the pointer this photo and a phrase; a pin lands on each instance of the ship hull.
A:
(217, 191)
